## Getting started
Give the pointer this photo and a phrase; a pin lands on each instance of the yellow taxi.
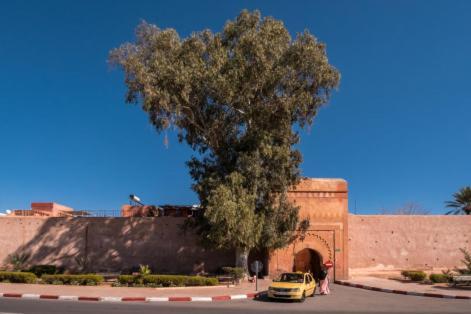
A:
(292, 286)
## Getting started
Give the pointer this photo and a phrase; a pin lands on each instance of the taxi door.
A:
(310, 285)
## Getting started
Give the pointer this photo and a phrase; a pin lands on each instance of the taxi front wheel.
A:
(303, 298)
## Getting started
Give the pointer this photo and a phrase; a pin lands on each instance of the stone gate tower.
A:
(325, 203)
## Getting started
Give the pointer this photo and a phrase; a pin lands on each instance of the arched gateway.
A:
(325, 203)
(308, 261)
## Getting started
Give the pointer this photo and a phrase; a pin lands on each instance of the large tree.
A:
(237, 98)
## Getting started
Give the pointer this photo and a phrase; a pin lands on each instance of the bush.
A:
(439, 278)
(466, 261)
(236, 272)
(17, 277)
(40, 270)
(414, 275)
(405, 273)
(166, 281)
(127, 280)
(83, 280)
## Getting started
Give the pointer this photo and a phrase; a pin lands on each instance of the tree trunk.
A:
(242, 259)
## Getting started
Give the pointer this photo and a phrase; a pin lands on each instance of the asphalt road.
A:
(342, 300)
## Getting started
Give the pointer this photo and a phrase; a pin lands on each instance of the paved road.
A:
(342, 300)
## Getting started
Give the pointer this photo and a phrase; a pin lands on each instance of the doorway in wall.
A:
(308, 260)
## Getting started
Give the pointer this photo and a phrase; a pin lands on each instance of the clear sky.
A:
(398, 128)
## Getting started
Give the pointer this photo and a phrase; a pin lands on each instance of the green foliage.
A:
(82, 263)
(83, 280)
(39, 270)
(166, 281)
(439, 278)
(414, 275)
(235, 97)
(127, 280)
(237, 225)
(144, 270)
(18, 261)
(461, 203)
(236, 272)
(17, 277)
(466, 261)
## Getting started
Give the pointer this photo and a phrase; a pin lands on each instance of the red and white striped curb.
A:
(128, 299)
(432, 295)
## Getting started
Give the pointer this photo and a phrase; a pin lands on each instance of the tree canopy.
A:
(461, 203)
(236, 97)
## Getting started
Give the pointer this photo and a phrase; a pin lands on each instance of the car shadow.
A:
(263, 297)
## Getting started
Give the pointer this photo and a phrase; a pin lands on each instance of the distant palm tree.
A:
(461, 205)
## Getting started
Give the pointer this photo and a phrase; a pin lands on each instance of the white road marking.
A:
(156, 299)
(68, 298)
(111, 299)
(30, 296)
(238, 297)
(202, 299)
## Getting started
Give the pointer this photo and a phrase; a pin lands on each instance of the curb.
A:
(420, 294)
(129, 299)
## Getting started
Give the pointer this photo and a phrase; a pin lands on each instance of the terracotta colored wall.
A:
(382, 242)
(325, 203)
(111, 244)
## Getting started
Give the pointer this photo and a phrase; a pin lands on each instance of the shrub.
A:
(466, 261)
(166, 280)
(144, 270)
(416, 275)
(17, 277)
(236, 272)
(40, 270)
(439, 278)
(18, 261)
(83, 280)
(405, 273)
(128, 280)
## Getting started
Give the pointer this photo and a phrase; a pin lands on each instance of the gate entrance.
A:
(308, 260)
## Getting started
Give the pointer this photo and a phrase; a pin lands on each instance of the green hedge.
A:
(439, 278)
(83, 280)
(40, 270)
(236, 272)
(166, 280)
(17, 277)
(414, 275)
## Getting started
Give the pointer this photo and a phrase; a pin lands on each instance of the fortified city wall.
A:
(392, 242)
(109, 244)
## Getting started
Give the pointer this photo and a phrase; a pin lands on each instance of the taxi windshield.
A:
(290, 277)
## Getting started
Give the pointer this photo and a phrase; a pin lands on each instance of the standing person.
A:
(324, 277)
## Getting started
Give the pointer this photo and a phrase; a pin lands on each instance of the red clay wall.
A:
(388, 242)
(325, 203)
(111, 244)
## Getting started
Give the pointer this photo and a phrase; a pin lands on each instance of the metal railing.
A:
(92, 213)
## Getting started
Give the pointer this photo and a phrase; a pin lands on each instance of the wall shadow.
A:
(112, 244)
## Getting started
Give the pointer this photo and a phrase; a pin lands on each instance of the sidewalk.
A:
(407, 287)
(107, 293)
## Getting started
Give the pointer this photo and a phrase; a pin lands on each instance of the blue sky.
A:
(398, 128)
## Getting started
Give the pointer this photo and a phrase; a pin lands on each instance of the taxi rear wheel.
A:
(313, 292)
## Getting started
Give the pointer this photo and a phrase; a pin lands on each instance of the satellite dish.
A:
(135, 199)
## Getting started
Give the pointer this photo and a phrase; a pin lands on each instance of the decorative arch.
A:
(314, 241)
